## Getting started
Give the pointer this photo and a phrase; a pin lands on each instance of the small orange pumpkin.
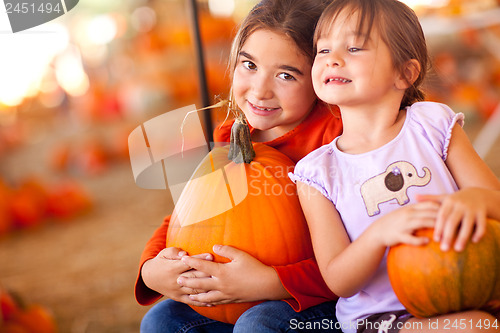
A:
(430, 282)
(28, 204)
(66, 200)
(18, 317)
(268, 223)
(36, 319)
(5, 219)
(9, 306)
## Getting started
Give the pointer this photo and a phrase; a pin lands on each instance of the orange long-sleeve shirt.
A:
(303, 279)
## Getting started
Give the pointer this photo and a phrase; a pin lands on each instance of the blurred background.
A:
(72, 221)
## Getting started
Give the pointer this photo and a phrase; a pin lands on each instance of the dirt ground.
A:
(85, 270)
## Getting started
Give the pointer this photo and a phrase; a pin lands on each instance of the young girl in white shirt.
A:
(400, 165)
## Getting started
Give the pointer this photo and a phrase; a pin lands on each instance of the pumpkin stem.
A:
(240, 147)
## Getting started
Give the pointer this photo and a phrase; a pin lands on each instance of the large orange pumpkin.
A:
(253, 207)
(430, 282)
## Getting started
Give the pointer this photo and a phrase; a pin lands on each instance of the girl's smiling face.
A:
(352, 69)
(272, 84)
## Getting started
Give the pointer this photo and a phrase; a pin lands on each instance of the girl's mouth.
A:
(262, 110)
(337, 80)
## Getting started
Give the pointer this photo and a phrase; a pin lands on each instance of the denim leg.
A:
(278, 316)
(174, 317)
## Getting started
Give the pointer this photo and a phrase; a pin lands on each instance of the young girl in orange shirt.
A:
(271, 84)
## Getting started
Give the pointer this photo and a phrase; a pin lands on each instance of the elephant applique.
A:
(392, 184)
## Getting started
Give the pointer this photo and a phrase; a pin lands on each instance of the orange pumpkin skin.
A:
(493, 305)
(36, 319)
(268, 224)
(430, 282)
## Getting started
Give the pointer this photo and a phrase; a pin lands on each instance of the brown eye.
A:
(286, 77)
(249, 65)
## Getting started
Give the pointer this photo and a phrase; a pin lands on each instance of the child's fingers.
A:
(193, 274)
(480, 229)
(424, 215)
(213, 297)
(450, 228)
(421, 219)
(172, 253)
(464, 233)
(204, 256)
(186, 299)
(227, 251)
(414, 240)
(196, 285)
(190, 291)
(442, 216)
(427, 205)
(425, 222)
(209, 267)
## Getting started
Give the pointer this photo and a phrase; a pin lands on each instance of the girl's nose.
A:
(334, 59)
(262, 87)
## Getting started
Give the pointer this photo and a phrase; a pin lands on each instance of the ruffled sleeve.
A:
(314, 170)
(436, 122)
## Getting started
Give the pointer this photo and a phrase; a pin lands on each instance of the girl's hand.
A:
(161, 273)
(243, 279)
(400, 225)
(462, 214)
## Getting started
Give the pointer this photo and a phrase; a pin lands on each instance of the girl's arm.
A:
(464, 213)
(330, 243)
(345, 266)
(159, 270)
(143, 294)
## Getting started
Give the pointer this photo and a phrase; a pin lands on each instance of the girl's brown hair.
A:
(398, 27)
(294, 18)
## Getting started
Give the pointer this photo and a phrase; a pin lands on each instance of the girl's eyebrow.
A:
(246, 55)
(283, 67)
(291, 69)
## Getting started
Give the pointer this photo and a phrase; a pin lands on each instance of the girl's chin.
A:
(259, 124)
(257, 121)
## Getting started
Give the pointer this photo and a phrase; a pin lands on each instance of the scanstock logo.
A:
(25, 14)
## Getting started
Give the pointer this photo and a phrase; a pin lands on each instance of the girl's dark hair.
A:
(398, 27)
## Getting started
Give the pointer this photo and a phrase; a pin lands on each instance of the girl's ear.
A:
(409, 74)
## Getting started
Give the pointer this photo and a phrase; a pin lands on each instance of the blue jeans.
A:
(272, 316)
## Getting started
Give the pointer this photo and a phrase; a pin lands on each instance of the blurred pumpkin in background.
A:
(36, 319)
(28, 204)
(18, 317)
(67, 199)
(5, 220)
(34, 202)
